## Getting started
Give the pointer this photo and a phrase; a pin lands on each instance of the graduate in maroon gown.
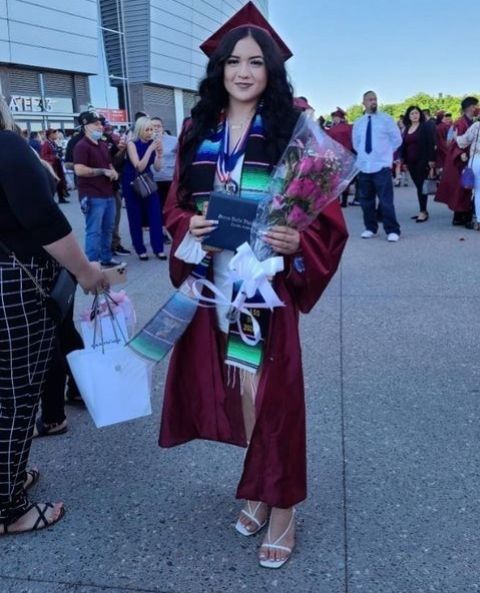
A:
(246, 94)
(51, 153)
(441, 138)
(450, 191)
(341, 131)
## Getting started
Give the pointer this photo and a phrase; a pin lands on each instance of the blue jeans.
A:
(100, 221)
(378, 184)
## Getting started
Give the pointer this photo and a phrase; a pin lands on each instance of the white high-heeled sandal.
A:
(252, 516)
(276, 546)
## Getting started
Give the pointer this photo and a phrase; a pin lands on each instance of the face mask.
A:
(96, 135)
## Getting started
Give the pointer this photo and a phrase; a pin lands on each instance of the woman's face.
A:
(147, 133)
(245, 74)
(414, 116)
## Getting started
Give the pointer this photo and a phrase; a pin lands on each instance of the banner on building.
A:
(114, 116)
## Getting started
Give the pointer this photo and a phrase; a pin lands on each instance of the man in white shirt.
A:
(375, 139)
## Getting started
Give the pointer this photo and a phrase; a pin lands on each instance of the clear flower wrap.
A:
(312, 172)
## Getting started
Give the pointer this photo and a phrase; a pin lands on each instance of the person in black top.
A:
(418, 153)
(35, 240)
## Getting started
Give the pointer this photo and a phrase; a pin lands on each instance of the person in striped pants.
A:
(35, 240)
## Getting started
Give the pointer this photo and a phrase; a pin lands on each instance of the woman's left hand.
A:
(283, 239)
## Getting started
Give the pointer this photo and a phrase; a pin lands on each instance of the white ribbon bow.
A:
(254, 275)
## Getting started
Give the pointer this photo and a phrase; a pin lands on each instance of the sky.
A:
(394, 47)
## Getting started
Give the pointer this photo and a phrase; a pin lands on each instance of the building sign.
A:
(23, 104)
(114, 116)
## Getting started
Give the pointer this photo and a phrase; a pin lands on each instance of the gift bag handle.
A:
(97, 326)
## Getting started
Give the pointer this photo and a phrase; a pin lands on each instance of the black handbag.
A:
(62, 292)
(143, 185)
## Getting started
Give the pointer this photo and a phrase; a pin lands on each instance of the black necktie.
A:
(368, 139)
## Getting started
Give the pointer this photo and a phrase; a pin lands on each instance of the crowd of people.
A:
(432, 151)
(96, 144)
(237, 132)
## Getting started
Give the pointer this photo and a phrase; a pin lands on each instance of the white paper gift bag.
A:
(108, 331)
(114, 383)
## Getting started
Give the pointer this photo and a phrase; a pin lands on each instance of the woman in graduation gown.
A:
(246, 98)
(450, 190)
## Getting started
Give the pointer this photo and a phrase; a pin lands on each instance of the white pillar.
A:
(179, 112)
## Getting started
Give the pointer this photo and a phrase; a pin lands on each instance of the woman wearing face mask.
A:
(238, 131)
(418, 153)
(143, 153)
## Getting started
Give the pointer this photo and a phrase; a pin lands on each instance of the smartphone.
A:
(116, 275)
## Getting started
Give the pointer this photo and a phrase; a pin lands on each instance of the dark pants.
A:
(418, 173)
(26, 339)
(62, 189)
(163, 189)
(371, 185)
(53, 395)
(116, 239)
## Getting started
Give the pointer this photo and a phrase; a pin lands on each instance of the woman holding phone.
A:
(143, 152)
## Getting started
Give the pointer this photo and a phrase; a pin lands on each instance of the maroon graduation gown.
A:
(198, 403)
(342, 133)
(442, 146)
(449, 191)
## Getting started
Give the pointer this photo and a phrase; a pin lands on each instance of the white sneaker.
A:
(367, 234)
(393, 237)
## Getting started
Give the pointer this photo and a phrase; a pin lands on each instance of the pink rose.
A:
(320, 201)
(305, 166)
(295, 188)
(318, 165)
(309, 187)
(297, 218)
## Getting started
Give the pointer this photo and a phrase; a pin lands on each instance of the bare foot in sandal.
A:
(253, 517)
(278, 544)
(45, 430)
(37, 516)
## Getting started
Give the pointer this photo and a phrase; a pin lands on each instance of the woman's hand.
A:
(283, 239)
(199, 226)
(158, 147)
(92, 279)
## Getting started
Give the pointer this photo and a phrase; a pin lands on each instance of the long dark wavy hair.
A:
(276, 104)
(406, 117)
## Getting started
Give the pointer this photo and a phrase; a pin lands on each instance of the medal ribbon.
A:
(227, 162)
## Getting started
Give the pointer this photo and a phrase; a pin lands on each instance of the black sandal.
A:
(46, 430)
(41, 523)
(34, 474)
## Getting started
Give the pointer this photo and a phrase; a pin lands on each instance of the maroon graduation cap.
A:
(248, 16)
(302, 103)
(339, 112)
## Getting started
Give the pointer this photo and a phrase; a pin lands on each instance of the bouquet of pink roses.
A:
(313, 171)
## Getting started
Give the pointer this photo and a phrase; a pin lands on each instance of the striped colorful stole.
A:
(255, 172)
(155, 340)
(253, 184)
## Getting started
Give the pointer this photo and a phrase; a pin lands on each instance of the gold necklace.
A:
(242, 124)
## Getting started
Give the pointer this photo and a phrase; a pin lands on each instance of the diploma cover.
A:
(235, 217)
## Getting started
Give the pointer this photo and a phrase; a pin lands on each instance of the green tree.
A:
(449, 103)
